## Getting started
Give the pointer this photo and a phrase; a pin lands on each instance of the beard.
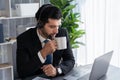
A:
(46, 35)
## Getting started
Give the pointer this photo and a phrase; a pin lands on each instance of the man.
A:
(32, 52)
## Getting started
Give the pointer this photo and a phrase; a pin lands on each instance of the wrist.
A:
(43, 53)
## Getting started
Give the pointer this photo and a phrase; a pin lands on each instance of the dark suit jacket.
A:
(28, 62)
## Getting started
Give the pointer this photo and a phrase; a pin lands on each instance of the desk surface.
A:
(112, 74)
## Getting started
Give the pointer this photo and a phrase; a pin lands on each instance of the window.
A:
(101, 21)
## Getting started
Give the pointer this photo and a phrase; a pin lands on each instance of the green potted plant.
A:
(70, 21)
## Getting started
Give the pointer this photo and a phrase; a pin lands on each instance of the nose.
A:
(56, 30)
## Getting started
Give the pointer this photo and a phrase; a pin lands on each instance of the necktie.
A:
(49, 56)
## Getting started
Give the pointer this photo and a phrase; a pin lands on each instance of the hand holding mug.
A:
(50, 47)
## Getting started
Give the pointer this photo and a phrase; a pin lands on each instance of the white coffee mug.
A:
(61, 43)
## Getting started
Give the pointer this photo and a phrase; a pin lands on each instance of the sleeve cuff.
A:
(41, 58)
(59, 70)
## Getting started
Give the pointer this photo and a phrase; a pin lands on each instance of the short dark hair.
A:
(47, 11)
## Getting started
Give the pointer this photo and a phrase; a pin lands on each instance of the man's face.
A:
(51, 28)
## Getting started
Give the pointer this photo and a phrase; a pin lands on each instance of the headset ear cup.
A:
(40, 25)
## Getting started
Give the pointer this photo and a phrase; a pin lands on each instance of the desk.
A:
(112, 74)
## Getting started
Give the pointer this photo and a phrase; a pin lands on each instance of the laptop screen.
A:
(100, 66)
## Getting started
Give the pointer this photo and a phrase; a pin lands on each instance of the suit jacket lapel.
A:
(35, 40)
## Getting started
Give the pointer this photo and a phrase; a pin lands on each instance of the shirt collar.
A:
(40, 37)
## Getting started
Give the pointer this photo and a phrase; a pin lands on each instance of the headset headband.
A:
(46, 6)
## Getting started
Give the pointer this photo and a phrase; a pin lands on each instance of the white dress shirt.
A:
(41, 40)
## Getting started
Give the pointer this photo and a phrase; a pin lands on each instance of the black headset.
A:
(40, 24)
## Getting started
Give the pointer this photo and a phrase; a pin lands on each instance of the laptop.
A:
(99, 69)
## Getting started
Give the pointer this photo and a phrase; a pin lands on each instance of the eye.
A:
(52, 26)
